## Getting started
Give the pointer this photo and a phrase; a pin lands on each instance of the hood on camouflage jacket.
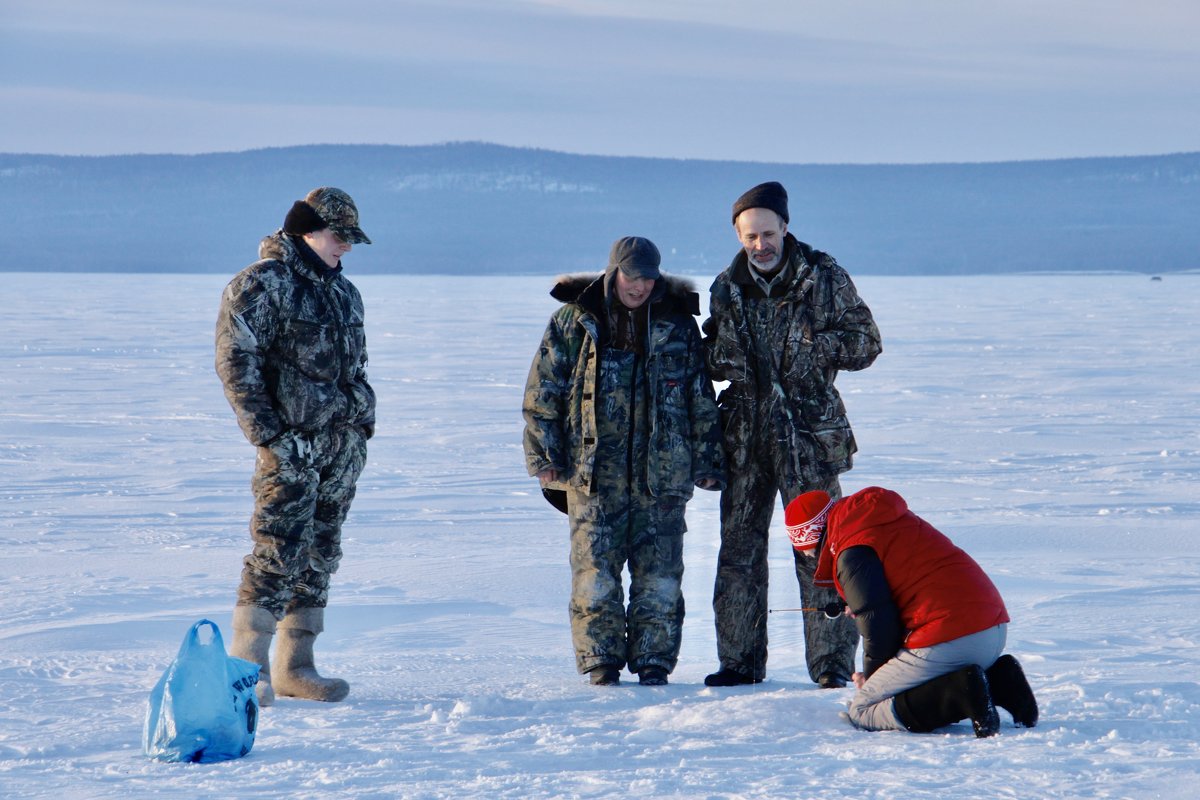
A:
(560, 404)
(820, 326)
(290, 346)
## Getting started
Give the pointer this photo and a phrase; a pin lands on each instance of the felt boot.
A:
(947, 699)
(253, 628)
(293, 673)
(1011, 691)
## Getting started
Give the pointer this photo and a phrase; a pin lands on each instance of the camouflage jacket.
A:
(290, 346)
(560, 403)
(781, 355)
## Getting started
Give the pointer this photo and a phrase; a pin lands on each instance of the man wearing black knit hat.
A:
(292, 356)
(784, 319)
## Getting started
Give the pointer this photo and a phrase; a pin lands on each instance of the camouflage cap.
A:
(339, 212)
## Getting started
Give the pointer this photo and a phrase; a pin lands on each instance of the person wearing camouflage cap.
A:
(291, 354)
(621, 425)
(784, 320)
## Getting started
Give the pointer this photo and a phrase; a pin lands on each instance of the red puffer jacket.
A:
(939, 590)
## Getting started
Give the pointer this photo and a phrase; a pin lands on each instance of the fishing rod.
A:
(832, 610)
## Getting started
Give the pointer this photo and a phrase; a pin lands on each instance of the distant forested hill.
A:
(484, 209)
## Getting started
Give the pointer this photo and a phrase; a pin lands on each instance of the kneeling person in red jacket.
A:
(933, 624)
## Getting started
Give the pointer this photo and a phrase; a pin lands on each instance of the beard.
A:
(769, 267)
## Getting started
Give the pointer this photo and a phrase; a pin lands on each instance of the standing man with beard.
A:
(292, 356)
(784, 319)
(621, 425)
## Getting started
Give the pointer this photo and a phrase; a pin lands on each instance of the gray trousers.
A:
(303, 486)
(873, 709)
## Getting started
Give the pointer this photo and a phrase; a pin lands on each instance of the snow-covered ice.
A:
(1049, 424)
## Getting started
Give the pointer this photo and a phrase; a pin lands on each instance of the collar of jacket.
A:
(293, 251)
(795, 252)
(314, 266)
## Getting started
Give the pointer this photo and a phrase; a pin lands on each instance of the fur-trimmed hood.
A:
(671, 293)
(562, 401)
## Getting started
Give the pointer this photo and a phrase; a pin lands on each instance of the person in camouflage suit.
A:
(291, 353)
(785, 318)
(621, 425)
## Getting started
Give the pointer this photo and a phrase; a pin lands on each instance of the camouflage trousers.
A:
(740, 594)
(610, 529)
(303, 486)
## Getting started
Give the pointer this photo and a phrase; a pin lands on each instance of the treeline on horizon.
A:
(479, 209)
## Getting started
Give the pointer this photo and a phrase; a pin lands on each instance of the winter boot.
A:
(947, 699)
(728, 676)
(605, 675)
(1011, 691)
(253, 628)
(831, 680)
(293, 674)
(653, 676)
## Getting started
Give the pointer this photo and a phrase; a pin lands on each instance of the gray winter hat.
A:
(339, 212)
(636, 257)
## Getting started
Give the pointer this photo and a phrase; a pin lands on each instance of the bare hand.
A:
(708, 483)
(858, 679)
(547, 476)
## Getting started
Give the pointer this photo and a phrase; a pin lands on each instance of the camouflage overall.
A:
(740, 594)
(291, 354)
(621, 522)
(630, 436)
(303, 486)
(786, 432)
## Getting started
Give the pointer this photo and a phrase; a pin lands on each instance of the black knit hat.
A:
(770, 195)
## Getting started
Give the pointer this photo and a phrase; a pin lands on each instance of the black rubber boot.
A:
(947, 699)
(1010, 690)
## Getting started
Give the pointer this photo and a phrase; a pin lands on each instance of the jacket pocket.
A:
(312, 349)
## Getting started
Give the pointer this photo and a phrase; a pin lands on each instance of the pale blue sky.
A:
(857, 81)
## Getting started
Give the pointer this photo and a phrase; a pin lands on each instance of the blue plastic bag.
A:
(203, 708)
